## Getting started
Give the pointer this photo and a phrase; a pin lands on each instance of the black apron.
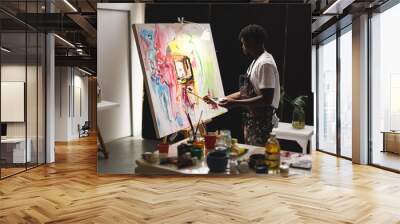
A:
(257, 122)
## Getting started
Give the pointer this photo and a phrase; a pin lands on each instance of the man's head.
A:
(253, 38)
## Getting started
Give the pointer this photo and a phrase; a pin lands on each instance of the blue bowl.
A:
(217, 161)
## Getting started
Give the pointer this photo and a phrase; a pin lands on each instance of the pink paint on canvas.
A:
(176, 57)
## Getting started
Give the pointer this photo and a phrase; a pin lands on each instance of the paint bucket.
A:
(210, 140)
(196, 152)
(163, 148)
(217, 161)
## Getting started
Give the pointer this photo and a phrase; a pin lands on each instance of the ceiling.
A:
(76, 22)
(72, 20)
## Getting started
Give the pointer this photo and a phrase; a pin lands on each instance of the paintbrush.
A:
(191, 124)
(203, 126)
(198, 123)
(194, 94)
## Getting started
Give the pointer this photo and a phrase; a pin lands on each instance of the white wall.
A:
(116, 61)
(80, 83)
(62, 81)
(67, 114)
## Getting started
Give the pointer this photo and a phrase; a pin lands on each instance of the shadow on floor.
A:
(122, 155)
(386, 159)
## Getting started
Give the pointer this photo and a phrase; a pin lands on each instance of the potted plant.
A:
(298, 104)
(299, 115)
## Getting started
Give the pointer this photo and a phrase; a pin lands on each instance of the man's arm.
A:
(231, 97)
(234, 96)
(265, 99)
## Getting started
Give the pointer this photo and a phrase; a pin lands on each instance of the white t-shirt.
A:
(265, 75)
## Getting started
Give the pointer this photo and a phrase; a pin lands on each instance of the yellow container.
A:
(272, 153)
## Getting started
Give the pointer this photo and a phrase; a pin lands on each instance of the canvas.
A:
(180, 66)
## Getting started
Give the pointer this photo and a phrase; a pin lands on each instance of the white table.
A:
(301, 136)
(201, 168)
(19, 155)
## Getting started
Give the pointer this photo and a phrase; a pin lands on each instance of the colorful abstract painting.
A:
(180, 66)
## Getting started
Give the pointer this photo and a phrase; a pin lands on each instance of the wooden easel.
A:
(102, 147)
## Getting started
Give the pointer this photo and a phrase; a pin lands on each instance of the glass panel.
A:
(22, 88)
(327, 96)
(41, 99)
(13, 93)
(346, 94)
(385, 84)
(32, 98)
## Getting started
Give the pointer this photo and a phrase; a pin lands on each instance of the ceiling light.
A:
(337, 7)
(70, 5)
(65, 41)
(79, 51)
(5, 50)
(333, 6)
(84, 71)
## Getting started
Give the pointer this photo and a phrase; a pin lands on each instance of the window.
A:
(346, 93)
(327, 95)
(334, 100)
(385, 85)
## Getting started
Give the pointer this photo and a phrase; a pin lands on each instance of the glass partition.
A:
(14, 153)
(32, 97)
(41, 107)
(22, 77)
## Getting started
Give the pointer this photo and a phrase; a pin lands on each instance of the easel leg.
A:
(102, 147)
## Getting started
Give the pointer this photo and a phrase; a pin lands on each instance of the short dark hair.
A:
(254, 33)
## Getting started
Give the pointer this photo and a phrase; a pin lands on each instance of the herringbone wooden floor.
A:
(70, 191)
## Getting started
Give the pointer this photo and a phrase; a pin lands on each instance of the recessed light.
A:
(337, 7)
(65, 41)
(70, 5)
(84, 71)
(5, 50)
